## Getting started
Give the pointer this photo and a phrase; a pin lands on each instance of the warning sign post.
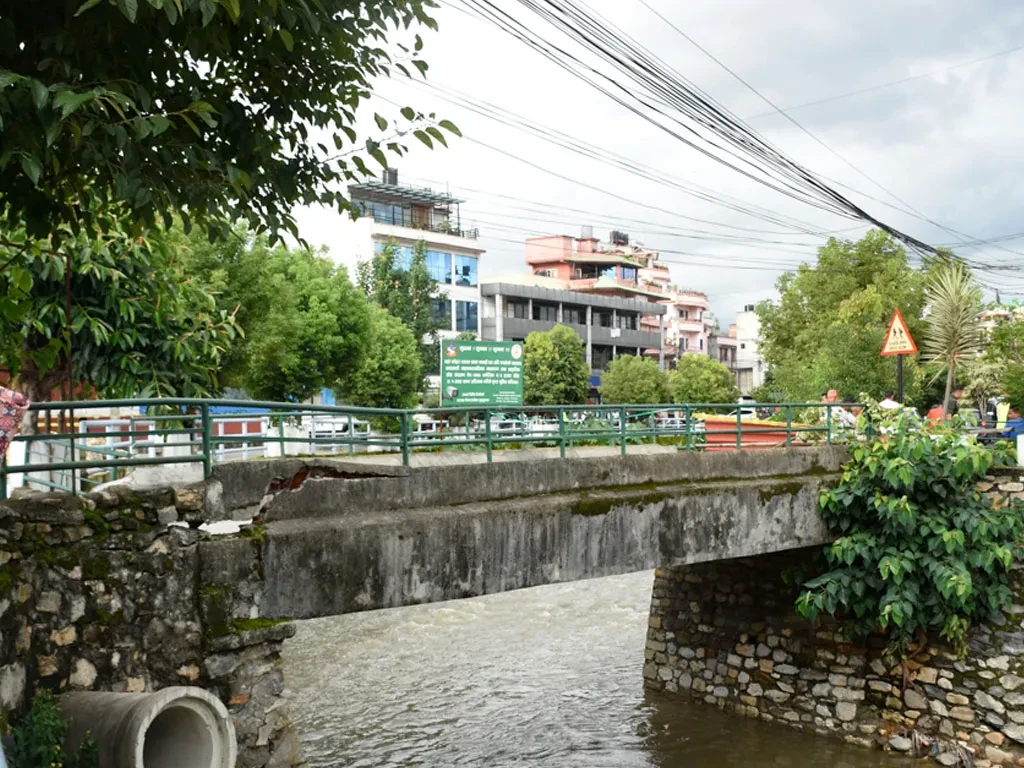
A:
(899, 342)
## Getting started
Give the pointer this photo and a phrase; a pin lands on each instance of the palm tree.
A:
(952, 333)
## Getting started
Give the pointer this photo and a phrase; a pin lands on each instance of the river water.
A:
(547, 677)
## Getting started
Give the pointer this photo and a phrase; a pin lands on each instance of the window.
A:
(439, 265)
(403, 255)
(602, 319)
(386, 213)
(545, 273)
(702, 343)
(601, 356)
(574, 315)
(465, 316)
(442, 312)
(518, 309)
(545, 312)
(629, 273)
(684, 314)
(465, 270)
(608, 272)
(626, 322)
(743, 346)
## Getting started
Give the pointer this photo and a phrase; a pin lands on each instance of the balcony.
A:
(412, 222)
(689, 325)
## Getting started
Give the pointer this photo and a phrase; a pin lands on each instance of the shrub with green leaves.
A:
(920, 550)
(39, 739)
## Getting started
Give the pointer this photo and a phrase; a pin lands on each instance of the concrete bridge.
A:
(337, 537)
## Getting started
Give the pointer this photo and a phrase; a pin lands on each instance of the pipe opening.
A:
(179, 736)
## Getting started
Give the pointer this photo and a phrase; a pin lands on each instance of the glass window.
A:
(601, 356)
(702, 343)
(439, 265)
(684, 314)
(545, 312)
(442, 312)
(626, 322)
(602, 319)
(520, 309)
(574, 315)
(629, 273)
(608, 272)
(465, 316)
(403, 255)
(465, 270)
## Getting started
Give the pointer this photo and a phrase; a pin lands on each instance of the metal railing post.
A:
(739, 428)
(487, 428)
(280, 435)
(789, 425)
(686, 416)
(405, 438)
(561, 432)
(828, 423)
(3, 477)
(622, 431)
(207, 441)
(351, 438)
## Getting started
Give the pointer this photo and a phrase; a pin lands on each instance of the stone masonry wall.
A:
(726, 634)
(103, 593)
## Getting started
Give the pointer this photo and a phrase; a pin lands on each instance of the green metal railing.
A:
(187, 431)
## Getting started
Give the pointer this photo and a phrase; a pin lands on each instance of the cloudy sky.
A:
(944, 146)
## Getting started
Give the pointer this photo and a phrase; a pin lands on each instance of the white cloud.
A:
(946, 144)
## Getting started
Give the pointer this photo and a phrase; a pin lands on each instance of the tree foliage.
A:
(139, 323)
(634, 380)
(1007, 348)
(555, 368)
(218, 110)
(952, 333)
(305, 323)
(390, 374)
(699, 379)
(828, 327)
(409, 293)
(919, 549)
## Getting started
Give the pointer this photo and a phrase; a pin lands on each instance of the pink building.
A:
(619, 268)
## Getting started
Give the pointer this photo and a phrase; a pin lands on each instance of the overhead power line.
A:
(661, 96)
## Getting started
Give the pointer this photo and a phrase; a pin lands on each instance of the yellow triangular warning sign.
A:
(898, 340)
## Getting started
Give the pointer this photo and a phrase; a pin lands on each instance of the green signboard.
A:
(481, 372)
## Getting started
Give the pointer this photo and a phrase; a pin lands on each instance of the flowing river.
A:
(545, 677)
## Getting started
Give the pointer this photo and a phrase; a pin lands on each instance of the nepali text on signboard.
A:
(481, 372)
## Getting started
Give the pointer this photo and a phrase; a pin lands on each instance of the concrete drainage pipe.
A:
(173, 728)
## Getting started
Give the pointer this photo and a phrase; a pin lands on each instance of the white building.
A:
(750, 367)
(407, 215)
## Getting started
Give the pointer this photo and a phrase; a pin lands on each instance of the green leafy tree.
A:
(919, 549)
(215, 109)
(555, 368)
(304, 322)
(828, 326)
(39, 739)
(983, 378)
(634, 380)
(409, 294)
(139, 323)
(1007, 347)
(952, 332)
(699, 379)
(390, 373)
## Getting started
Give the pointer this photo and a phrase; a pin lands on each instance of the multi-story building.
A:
(609, 324)
(406, 216)
(618, 268)
(750, 367)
